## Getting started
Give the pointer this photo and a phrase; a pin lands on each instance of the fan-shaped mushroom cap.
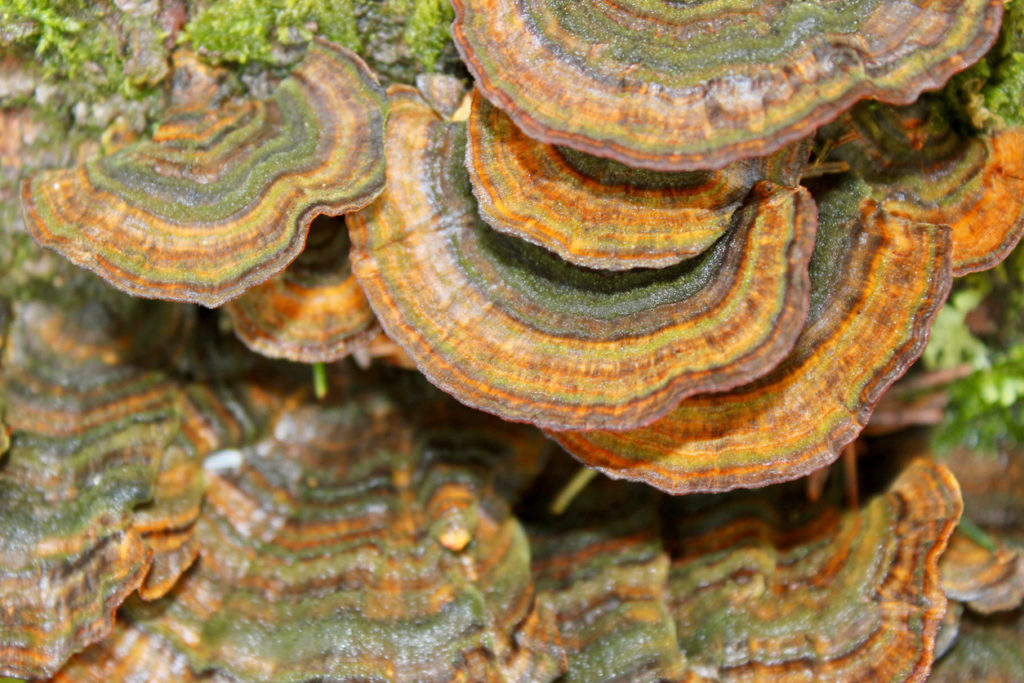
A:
(769, 592)
(988, 580)
(314, 311)
(512, 329)
(922, 167)
(686, 86)
(88, 428)
(598, 213)
(877, 282)
(221, 199)
(330, 554)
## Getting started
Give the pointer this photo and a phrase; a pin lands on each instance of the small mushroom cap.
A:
(598, 213)
(314, 311)
(687, 86)
(923, 167)
(88, 425)
(511, 329)
(773, 592)
(877, 282)
(220, 199)
(333, 553)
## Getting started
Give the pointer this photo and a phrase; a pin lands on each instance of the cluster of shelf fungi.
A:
(689, 244)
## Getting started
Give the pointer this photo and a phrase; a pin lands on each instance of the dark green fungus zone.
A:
(222, 197)
(511, 328)
(610, 79)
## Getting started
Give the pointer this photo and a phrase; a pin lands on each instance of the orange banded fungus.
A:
(512, 329)
(221, 198)
(612, 78)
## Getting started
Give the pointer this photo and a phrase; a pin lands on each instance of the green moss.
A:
(986, 408)
(248, 30)
(255, 30)
(91, 49)
(427, 30)
(991, 93)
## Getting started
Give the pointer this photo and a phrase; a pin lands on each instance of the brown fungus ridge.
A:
(221, 198)
(877, 283)
(312, 312)
(598, 213)
(698, 85)
(328, 555)
(512, 329)
(763, 589)
(89, 422)
(988, 580)
(925, 166)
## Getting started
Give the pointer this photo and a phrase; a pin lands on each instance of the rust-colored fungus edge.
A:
(610, 79)
(221, 199)
(511, 329)
(878, 281)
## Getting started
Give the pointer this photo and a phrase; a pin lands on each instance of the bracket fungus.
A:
(221, 198)
(877, 282)
(613, 78)
(512, 329)
(332, 553)
(88, 429)
(597, 213)
(314, 311)
(922, 166)
(814, 594)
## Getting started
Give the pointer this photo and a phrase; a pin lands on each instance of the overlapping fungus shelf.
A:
(877, 282)
(510, 328)
(923, 166)
(987, 579)
(88, 428)
(762, 590)
(221, 198)
(610, 78)
(347, 547)
(606, 571)
(315, 310)
(598, 213)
